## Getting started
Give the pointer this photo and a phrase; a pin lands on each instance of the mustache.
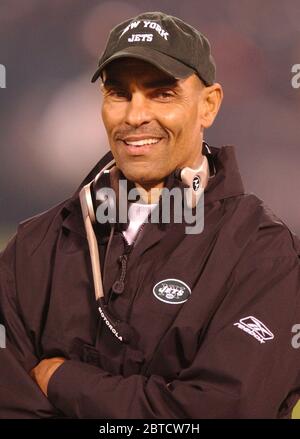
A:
(148, 130)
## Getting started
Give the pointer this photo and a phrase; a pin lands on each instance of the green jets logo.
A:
(172, 291)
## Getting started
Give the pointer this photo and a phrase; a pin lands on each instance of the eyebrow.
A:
(165, 82)
(111, 83)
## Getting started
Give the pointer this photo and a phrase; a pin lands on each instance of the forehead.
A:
(132, 70)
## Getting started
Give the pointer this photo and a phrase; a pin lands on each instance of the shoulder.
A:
(42, 230)
(33, 232)
(272, 238)
(248, 230)
(269, 258)
(265, 277)
(37, 226)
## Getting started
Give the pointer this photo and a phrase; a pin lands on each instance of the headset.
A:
(91, 197)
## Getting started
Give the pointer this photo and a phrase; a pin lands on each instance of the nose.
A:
(138, 110)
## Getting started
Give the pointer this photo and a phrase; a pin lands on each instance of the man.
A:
(186, 325)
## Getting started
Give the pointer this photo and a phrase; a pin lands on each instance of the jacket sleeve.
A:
(20, 397)
(233, 375)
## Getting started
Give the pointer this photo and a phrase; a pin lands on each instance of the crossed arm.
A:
(42, 373)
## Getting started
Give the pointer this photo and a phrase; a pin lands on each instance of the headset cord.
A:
(112, 231)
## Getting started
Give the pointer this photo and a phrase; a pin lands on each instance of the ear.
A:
(212, 97)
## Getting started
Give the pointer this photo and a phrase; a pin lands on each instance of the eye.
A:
(164, 95)
(118, 94)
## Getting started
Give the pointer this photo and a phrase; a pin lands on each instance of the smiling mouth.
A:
(141, 142)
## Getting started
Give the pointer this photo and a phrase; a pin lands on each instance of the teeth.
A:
(142, 142)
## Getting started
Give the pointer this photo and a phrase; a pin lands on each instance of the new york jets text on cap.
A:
(164, 41)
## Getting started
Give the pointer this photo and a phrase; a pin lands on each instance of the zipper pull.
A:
(119, 285)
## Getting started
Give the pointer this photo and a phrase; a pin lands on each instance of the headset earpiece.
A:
(196, 179)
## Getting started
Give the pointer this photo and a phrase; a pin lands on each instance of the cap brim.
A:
(163, 62)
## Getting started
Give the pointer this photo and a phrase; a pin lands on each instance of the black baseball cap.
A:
(167, 42)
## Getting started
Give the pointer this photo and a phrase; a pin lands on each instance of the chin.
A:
(142, 178)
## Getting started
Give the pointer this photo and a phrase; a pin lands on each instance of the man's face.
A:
(153, 121)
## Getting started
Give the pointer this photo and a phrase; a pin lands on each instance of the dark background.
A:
(51, 132)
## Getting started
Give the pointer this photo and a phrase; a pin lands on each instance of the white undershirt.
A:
(137, 214)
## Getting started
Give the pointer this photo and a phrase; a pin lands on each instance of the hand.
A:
(42, 373)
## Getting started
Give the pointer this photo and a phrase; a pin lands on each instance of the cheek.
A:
(105, 117)
(111, 116)
(185, 125)
(179, 119)
(172, 117)
(171, 121)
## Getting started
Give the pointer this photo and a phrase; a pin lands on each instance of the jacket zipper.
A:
(119, 285)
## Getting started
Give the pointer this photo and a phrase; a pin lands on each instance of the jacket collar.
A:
(226, 183)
